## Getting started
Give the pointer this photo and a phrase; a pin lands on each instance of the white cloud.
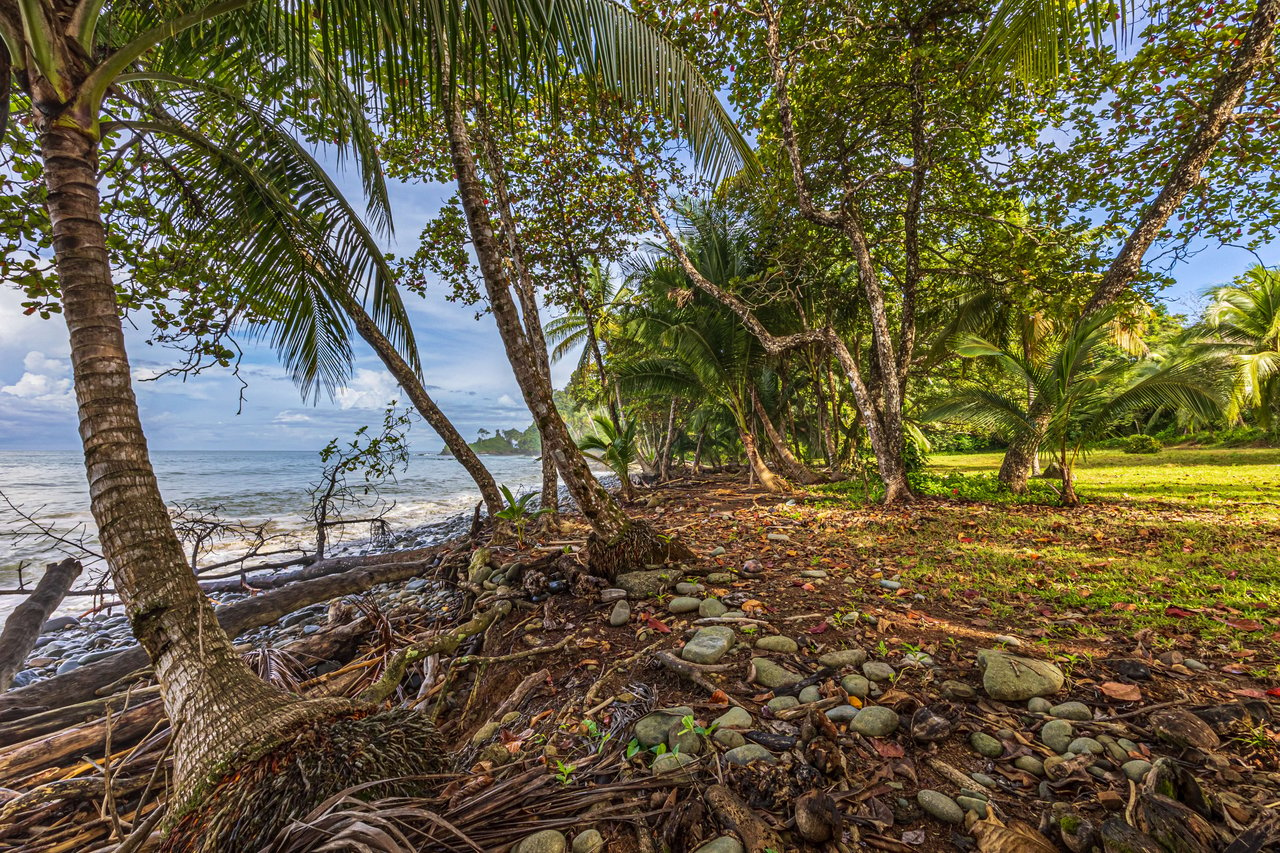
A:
(368, 389)
(292, 418)
(506, 400)
(44, 383)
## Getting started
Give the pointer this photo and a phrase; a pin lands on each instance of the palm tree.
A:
(1025, 35)
(1084, 384)
(614, 448)
(700, 352)
(589, 324)
(1242, 328)
(176, 72)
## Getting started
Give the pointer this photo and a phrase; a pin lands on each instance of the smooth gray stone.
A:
(709, 645)
(844, 658)
(748, 753)
(1057, 735)
(778, 643)
(875, 721)
(940, 806)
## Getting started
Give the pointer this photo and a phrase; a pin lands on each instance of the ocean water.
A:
(249, 486)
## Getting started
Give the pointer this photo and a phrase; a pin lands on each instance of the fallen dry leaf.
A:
(1121, 692)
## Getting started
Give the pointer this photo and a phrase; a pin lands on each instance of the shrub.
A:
(1142, 444)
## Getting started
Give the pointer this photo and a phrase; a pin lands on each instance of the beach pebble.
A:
(748, 753)
(547, 841)
(782, 703)
(734, 718)
(1077, 711)
(940, 806)
(810, 694)
(709, 645)
(711, 608)
(1009, 678)
(778, 643)
(842, 713)
(1137, 769)
(1057, 735)
(985, 745)
(875, 721)
(620, 614)
(877, 671)
(770, 674)
(723, 844)
(845, 658)
(856, 685)
(683, 604)
(588, 841)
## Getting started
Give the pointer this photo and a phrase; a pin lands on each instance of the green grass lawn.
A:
(1185, 543)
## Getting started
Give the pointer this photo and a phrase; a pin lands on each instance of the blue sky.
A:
(465, 368)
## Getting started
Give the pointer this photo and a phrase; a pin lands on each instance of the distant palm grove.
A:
(799, 243)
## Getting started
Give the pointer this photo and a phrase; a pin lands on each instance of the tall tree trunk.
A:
(215, 702)
(792, 467)
(697, 451)
(664, 455)
(618, 542)
(526, 294)
(431, 413)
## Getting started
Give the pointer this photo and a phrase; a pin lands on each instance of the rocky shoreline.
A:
(67, 643)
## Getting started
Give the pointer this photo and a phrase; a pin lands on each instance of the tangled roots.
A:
(327, 754)
(639, 545)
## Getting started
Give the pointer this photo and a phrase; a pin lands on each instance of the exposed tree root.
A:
(639, 545)
(315, 757)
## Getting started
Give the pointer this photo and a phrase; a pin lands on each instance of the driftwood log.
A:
(82, 685)
(22, 628)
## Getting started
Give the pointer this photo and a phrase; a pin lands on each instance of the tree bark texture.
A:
(22, 628)
(768, 480)
(600, 510)
(211, 695)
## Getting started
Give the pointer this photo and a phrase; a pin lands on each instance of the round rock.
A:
(1057, 735)
(845, 658)
(588, 841)
(748, 753)
(547, 841)
(842, 713)
(875, 721)
(709, 645)
(1077, 711)
(711, 608)
(985, 745)
(683, 604)
(778, 643)
(877, 670)
(940, 806)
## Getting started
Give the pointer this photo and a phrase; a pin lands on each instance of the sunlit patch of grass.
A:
(1195, 530)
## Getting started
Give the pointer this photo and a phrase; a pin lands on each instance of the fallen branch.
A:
(82, 684)
(444, 643)
(22, 628)
(736, 816)
(691, 672)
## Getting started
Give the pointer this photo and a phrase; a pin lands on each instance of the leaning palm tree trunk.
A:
(431, 413)
(617, 541)
(215, 702)
(791, 466)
